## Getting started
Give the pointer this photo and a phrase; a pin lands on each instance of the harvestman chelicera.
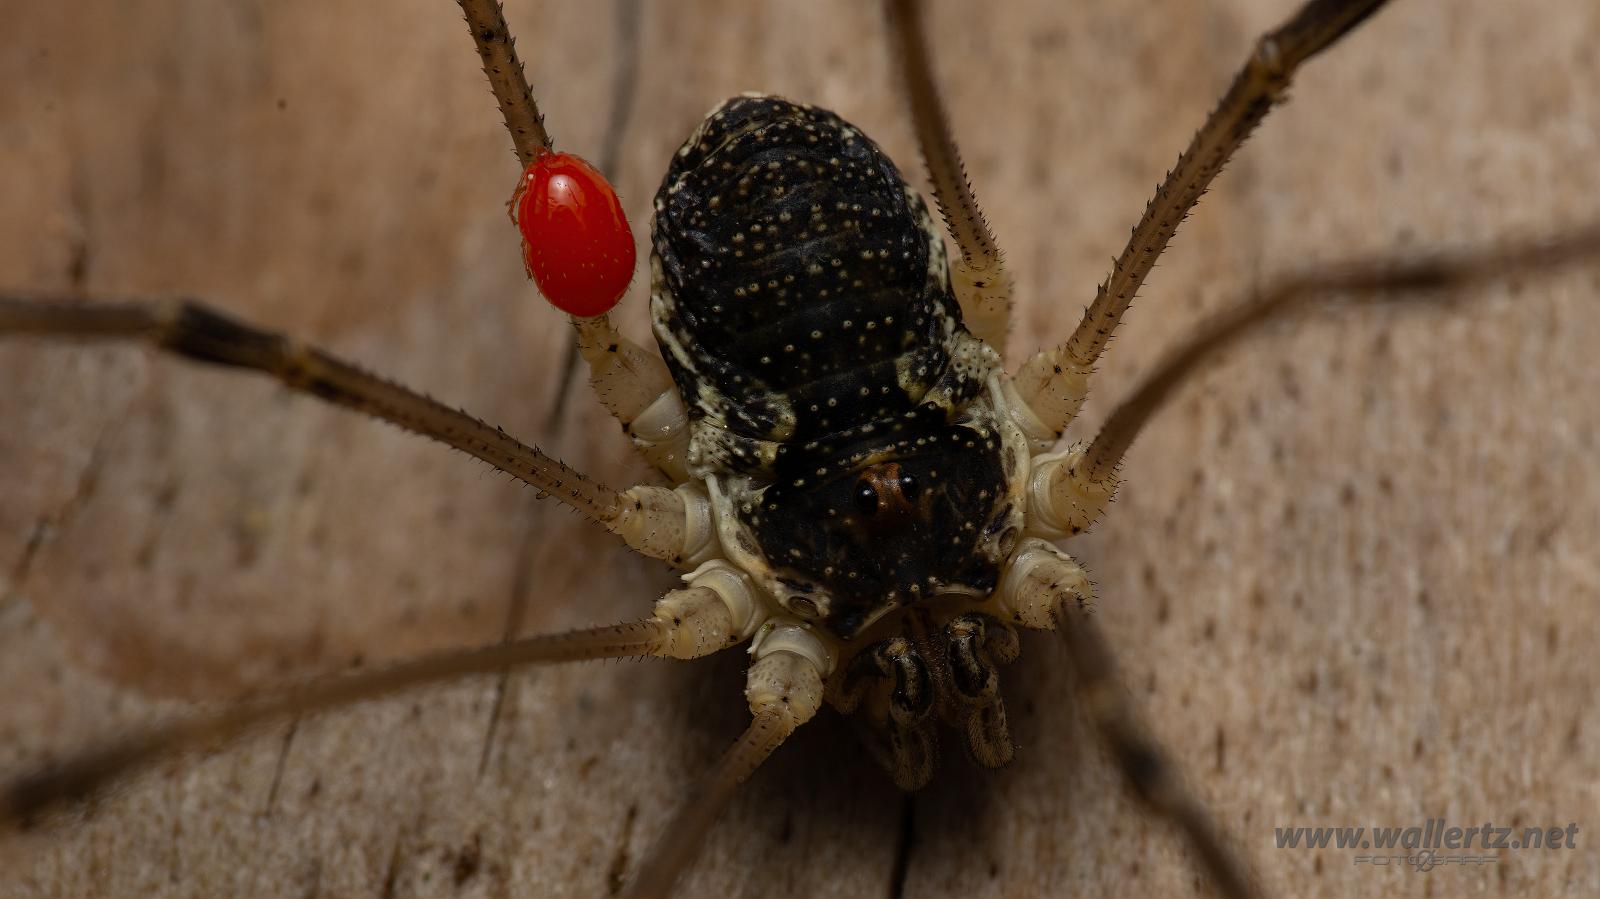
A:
(919, 442)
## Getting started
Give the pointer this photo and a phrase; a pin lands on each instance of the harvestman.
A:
(930, 651)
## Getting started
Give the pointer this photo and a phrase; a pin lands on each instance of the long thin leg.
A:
(982, 283)
(1072, 488)
(1052, 382)
(498, 51)
(198, 332)
(632, 382)
(687, 624)
(785, 691)
(680, 840)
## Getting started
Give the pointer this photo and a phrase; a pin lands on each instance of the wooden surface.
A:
(1353, 573)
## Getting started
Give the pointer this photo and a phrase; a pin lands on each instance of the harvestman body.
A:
(862, 494)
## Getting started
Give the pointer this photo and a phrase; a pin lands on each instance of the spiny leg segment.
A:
(1053, 383)
(645, 516)
(710, 614)
(784, 691)
(498, 50)
(1049, 389)
(1407, 279)
(982, 282)
(1069, 490)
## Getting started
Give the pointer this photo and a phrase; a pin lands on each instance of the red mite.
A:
(575, 239)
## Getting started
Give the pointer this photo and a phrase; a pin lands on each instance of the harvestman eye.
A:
(885, 490)
(922, 423)
(867, 501)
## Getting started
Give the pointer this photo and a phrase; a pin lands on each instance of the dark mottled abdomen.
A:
(800, 287)
(801, 297)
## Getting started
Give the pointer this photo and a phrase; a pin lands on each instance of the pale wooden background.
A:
(1353, 573)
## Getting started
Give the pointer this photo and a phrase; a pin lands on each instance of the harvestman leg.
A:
(632, 382)
(648, 518)
(1053, 383)
(86, 773)
(1395, 280)
(1070, 490)
(981, 281)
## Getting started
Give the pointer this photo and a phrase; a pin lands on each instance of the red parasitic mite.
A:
(576, 242)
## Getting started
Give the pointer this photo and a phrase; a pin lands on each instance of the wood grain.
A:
(1353, 573)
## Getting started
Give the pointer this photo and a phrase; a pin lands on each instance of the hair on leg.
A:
(1054, 382)
(652, 520)
(1407, 279)
(982, 283)
(688, 623)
